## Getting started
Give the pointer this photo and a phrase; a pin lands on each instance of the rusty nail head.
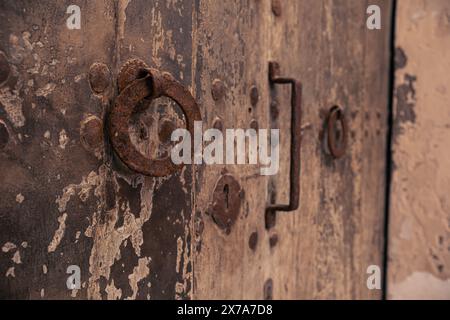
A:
(253, 241)
(273, 240)
(4, 69)
(268, 289)
(4, 135)
(91, 133)
(99, 77)
(254, 124)
(254, 95)
(276, 7)
(217, 89)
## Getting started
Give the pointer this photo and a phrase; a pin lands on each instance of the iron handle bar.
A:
(294, 174)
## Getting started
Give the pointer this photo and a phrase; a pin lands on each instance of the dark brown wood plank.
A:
(51, 184)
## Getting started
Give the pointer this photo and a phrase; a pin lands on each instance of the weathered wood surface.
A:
(63, 205)
(140, 238)
(419, 236)
(324, 248)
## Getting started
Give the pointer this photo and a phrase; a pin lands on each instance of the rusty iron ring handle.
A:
(152, 84)
(296, 109)
(335, 115)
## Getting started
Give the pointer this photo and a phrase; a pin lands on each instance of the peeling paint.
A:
(59, 233)
(8, 246)
(10, 272)
(12, 104)
(45, 90)
(82, 189)
(113, 293)
(20, 198)
(108, 237)
(140, 272)
(16, 257)
(63, 139)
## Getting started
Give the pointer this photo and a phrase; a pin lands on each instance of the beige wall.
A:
(419, 228)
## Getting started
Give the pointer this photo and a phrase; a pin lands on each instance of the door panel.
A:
(419, 245)
(323, 249)
(52, 187)
(67, 198)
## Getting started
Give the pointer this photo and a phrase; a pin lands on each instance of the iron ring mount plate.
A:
(137, 82)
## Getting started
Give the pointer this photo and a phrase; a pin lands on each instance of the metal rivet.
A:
(218, 124)
(276, 7)
(253, 241)
(4, 135)
(254, 124)
(254, 95)
(91, 133)
(273, 240)
(4, 69)
(99, 77)
(268, 290)
(217, 90)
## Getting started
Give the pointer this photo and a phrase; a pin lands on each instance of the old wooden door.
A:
(68, 203)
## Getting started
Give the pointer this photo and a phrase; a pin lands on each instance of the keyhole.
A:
(226, 190)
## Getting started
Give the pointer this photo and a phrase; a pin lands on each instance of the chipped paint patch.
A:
(140, 272)
(82, 189)
(12, 104)
(10, 272)
(108, 237)
(20, 198)
(63, 139)
(122, 17)
(59, 233)
(8, 246)
(112, 292)
(45, 90)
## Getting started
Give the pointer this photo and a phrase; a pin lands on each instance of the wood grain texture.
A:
(419, 237)
(51, 185)
(136, 237)
(325, 247)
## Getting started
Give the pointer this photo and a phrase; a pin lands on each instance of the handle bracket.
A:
(294, 174)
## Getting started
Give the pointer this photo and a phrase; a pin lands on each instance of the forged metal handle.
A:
(136, 82)
(294, 180)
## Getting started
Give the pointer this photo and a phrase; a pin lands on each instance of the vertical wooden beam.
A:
(419, 228)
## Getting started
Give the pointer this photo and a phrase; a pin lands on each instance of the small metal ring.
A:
(153, 85)
(335, 115)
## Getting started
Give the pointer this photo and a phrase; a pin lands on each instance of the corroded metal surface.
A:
(226, 202)
(336, 144)
(150, 83)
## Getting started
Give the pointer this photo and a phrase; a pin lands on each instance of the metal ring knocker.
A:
(136, 82)
(337, 150)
